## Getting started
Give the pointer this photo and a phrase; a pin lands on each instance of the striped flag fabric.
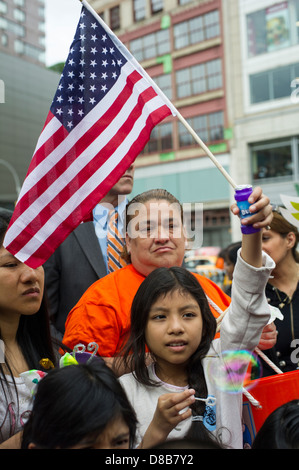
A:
(100, 119)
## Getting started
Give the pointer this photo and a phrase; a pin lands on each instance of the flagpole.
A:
(174, 111)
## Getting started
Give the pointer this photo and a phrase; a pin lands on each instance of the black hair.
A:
(76, 403)
(231, 252)
(281, 428)
(159, 283)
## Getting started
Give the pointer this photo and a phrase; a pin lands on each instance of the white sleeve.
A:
(249, 311)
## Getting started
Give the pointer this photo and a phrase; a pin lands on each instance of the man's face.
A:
(125, 183)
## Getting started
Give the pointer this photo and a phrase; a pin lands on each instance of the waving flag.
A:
(99, 121)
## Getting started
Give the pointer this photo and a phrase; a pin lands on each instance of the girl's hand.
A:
(259, 204)
(169, 413)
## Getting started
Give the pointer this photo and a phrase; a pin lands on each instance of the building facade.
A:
(22, 29)
(262, 51)
(181, 46)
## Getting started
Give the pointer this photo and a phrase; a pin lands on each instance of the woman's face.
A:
(155, 236)
(276, 246)
(21, 287)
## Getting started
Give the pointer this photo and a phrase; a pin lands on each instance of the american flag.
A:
(100, 119)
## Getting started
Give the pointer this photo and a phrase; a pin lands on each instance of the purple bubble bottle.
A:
(242, 194)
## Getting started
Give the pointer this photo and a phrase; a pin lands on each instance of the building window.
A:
(210, 128)
(114, 18)
(275, 160)
(196, 29)
(273, 28)
(273, 84)
(3, 7)
(19, 15)
(199, 78)
(4, 40)
(151, 45)
(161, 139)
(139, 7)
(157, 6)
(164, 83)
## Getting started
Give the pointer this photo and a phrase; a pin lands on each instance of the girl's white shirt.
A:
(241, 329)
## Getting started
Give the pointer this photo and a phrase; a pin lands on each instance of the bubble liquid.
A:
(242, 194)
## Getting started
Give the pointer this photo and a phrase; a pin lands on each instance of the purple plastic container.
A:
(242, 194)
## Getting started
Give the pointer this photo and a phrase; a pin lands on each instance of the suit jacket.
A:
(75, 265)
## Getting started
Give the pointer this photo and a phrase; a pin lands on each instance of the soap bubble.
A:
(236, 370)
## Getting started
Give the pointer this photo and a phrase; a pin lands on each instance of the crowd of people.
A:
(158, 331)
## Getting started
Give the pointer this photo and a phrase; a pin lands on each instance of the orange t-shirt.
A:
(103, 313)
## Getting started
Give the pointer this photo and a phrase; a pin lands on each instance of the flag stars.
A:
(94, 25)
(93, 76)
(93, 50)
(59, 111)
(104, 76)
(70, 124)
(80, 112)
(92, 88)
(71, 62)
(104, 88)
(59, 99)
(82, 26)
(94, 38)
(104, 50)
(104, 63)
(93, 63)
(104, 37)
(92, 100)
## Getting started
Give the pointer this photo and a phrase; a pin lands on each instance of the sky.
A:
(61, 18)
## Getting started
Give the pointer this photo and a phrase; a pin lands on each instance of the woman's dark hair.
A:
(74, 403)
(231, 251)
(161, 282)
(33, 334)
(281, 428)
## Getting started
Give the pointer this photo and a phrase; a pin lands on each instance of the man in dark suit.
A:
(82, 258)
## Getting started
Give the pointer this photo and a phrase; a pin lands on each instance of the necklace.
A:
(287, 301)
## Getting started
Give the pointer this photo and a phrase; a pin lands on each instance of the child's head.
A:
(165, 288)
(80, 406)
(281, 428)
